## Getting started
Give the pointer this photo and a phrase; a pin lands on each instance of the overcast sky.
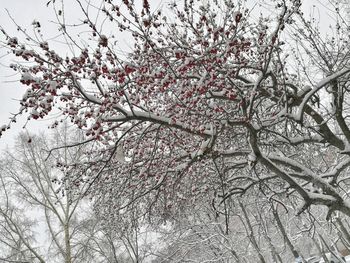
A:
(24, 12)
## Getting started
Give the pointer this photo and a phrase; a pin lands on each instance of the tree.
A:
(209, 96)
(43, 216)
(29, 180)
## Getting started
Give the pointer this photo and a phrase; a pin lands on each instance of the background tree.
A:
(42, 213)
(44, 186)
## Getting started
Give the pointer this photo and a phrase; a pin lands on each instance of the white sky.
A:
(24, 12)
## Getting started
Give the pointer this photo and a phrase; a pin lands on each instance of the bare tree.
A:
(40, 188)
(43, 215)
